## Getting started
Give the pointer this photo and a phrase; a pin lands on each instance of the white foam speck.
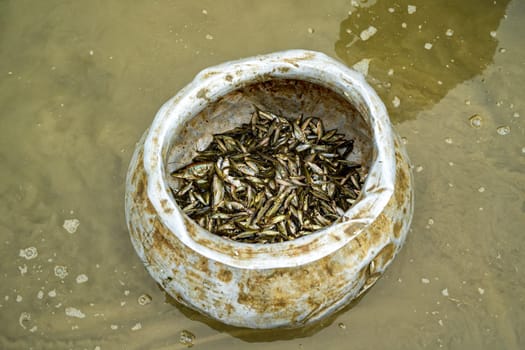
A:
(28, 253)
(444, 292)
(449, 32)
(61, 271)
(82, 278)
(24, 317)
(368, 33)
(503, 130)
(411, 9)
(362, 66)
(73, 312)
(428, 46)
(425, 281)
(71, 225)
(22, 269)
(396, 102)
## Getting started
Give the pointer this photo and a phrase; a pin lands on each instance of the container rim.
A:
(214, 82)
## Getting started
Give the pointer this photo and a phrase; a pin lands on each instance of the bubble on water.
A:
(310, 30)
(28, 253)
(61, 271)
(209, 37)
(493, 33)
(71, 225)
(475, 121)
(425, 281)
(503, 130)
(390, 72)
(113, 327)
(523, 150)
(481, 291)
(186, 338)
(74, 312)
(82, 278)
(419, 168)
(19, 298)
(403, 25)
(428, 46)
(52, 293)
(449, 140)
(368, 33)
(144, 299)
(411, 9)
(391, 9)
(444, 292)
(91, 52)
(396, 102)
(481, 189)
(204, 12)
(136, 327)
(502, 50)
(516, 115)
(431, 221)
(342, 325)
(449, 32)
(40, 294)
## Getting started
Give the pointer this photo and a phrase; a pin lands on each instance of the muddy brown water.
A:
(81, 81)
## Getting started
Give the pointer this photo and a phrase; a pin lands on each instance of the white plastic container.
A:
(285, 284)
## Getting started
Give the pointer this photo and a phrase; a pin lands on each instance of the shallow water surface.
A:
(81, 81)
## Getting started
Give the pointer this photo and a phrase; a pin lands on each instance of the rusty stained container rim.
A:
(214, 82)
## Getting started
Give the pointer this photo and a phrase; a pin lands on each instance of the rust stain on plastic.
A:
(398, 225)
(164, 204)
(225, 275)
(203, 93)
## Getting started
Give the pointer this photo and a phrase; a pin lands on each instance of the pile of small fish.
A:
(271, 180)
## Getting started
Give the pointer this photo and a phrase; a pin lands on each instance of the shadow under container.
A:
(286, 284)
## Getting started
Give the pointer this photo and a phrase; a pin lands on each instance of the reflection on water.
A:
(80, 82)
(419, 50)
